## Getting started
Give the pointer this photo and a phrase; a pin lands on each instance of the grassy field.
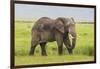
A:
(84, 50)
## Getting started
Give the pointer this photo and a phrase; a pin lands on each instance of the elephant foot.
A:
(60, 53)
(31, 53)
(70, 51)
(44, 54)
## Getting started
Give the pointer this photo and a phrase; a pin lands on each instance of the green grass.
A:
(84, 50)
(24, 60)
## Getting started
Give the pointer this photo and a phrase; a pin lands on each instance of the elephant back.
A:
(43, 23)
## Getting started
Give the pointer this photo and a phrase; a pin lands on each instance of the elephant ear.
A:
(59, 25)
(73, 21)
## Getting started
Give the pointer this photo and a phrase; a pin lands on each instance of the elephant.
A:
(46, 30)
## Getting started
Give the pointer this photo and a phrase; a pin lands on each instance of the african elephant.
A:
(48, 30)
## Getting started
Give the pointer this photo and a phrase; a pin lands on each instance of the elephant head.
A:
(67, 26)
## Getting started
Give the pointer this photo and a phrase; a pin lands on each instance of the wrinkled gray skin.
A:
(49, 30)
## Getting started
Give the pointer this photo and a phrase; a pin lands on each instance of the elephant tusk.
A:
(73, 37)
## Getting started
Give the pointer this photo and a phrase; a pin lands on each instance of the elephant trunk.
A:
(71, 45)
(73, 41)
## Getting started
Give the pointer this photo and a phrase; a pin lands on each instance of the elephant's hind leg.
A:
(33, 46)
(43, 50)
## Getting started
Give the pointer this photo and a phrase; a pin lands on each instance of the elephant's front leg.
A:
(68, 44)
(43, 50)
(59, 40)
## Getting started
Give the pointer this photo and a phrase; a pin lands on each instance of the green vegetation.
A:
(84, 50)
(25, 60)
